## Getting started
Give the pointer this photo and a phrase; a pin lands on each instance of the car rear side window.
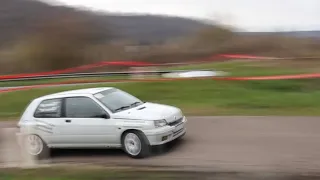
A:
(82, 107)
(50, 108)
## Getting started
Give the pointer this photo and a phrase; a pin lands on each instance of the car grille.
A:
(177, 132)
(177, 122)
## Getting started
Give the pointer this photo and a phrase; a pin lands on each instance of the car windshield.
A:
(117, 100)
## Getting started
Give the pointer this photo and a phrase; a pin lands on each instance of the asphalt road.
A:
(270, 144)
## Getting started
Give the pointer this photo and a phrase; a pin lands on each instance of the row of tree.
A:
(69, 40)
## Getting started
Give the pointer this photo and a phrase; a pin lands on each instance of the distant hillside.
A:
(18, 17)
(154, 28)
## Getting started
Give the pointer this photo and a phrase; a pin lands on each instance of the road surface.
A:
(271, 144)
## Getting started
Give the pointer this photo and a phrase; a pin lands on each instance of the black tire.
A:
(145, 146)
(44, 154)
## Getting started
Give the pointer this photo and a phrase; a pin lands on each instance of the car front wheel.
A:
(135, 144)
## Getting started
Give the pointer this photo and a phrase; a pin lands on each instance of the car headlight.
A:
(160, 123)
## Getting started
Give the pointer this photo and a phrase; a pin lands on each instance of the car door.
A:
(84, 123)
(48, 118)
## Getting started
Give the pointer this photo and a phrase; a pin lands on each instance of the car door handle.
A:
(68, 121)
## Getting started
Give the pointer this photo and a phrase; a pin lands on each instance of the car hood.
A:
(150, 111)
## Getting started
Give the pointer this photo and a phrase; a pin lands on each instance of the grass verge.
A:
(254, 68)
(47, 81)
(235, 68)
(202, 97)
(87, 174)
(100, 173)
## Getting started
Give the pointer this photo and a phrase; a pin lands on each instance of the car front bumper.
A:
(166, 134)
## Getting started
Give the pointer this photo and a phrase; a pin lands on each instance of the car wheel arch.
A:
(133, 130)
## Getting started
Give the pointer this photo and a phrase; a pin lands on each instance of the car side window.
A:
(50, 108)
(82, 107)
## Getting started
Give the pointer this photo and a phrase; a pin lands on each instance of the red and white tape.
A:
(252, 78)
(129, 64)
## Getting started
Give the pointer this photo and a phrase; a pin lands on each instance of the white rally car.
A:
(98, 118)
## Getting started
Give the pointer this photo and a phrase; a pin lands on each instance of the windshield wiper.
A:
(122, 108)
(135, 103)
(127, 107)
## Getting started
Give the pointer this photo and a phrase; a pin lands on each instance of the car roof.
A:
(86, 91)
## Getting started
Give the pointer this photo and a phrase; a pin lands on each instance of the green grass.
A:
(234, 68)
(46, 81)
(100, 173)
(203, 97)
(88, 174)
(246, 68)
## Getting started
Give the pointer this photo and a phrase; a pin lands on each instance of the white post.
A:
(136, 73)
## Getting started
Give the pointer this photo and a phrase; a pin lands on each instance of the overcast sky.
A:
(251, 15)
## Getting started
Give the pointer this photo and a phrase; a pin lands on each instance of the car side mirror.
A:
(105, 116)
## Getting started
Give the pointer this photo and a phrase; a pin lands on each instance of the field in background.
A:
(242, 67)
(234, 68)
(205, 97)
(58, 80)
(202, 97)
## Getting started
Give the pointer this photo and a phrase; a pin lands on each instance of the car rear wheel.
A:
(36, 147)
(135, 144)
